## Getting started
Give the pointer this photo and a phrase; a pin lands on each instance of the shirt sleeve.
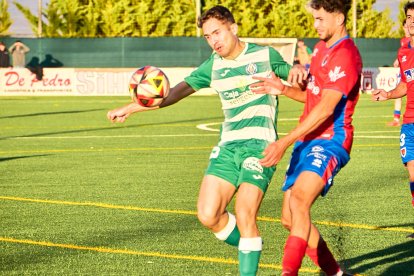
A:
(343, 71)
(279, 65)
(201, 77)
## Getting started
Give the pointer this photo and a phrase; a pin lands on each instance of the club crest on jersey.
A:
(409, 74)
(336, 74)
(403, 152)
(251, 68)
(404, 59)
(325, 60)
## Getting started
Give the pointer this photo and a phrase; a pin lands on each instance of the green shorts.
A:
(239, 164)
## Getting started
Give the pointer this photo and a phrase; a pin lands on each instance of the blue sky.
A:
(21, 27)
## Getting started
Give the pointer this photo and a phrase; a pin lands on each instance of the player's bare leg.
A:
(249, 198)
(410, 167)
(307, 188)
(215, 194)
(317, 249)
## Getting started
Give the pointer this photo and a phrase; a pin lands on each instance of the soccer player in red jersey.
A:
(405, 88)
(398, 102)
(324, 136)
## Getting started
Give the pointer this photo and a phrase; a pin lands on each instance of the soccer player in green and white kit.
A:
(249, 126)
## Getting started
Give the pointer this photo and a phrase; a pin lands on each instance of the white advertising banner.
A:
(380, 78)
(114, 81)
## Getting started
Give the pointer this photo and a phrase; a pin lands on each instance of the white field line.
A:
(212, 127)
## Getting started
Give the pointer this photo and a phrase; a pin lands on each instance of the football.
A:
(149, 86)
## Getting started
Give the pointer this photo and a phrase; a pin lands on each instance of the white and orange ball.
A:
(149, 86)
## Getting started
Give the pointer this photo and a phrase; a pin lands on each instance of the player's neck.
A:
(337, 37)
(238, 49)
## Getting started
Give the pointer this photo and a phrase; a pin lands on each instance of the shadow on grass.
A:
(109, 128)
(4, 159)
(48, 113)
(400, 255)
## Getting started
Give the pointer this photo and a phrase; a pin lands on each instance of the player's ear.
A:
(340, 19)
(234, 28)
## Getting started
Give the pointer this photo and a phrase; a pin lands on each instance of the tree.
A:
(5, 21)
(151, 18)
(114, 18)
(372, 23)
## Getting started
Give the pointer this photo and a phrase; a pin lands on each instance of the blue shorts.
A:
(407, 143)
(324, 157)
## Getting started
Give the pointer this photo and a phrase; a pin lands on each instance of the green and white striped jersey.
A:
(247, 115)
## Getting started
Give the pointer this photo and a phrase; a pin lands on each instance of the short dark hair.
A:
(218, 12)
(341, 6)
(408, 6)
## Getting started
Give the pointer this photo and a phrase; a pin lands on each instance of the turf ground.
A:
(79, 195)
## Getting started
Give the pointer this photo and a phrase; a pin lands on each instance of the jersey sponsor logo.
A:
(336, 74)
(317, 149)
(312, 87)
(225, 73)
(252, 163)
(317, 162)
(409, 74)
(231, 95)
(251, 68)
(317, 152)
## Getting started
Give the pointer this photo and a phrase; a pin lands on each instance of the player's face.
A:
(326, 24)
(221, 36)
(410, 22)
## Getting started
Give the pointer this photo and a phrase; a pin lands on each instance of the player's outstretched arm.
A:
(120, 114)
(325, 108)
(379, 95)
(175, 94)
(274, 86)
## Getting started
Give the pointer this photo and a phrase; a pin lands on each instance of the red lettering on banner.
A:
(54, 82)
(13, 78)
(392, 82)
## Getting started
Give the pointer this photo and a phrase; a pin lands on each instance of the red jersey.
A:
(338, 68)
(406, 62)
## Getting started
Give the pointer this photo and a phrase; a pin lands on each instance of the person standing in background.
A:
(18, 51)
(303, 54)
(4, 56)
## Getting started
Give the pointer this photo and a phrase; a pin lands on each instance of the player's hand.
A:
(272, 85)
(273, 153)
(117, 115)
(378, 95)
(298, 74)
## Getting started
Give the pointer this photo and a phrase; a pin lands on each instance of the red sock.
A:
(323, 258)
(294, 252)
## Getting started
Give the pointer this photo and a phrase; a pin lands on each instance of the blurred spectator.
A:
(18, 51)
(303, 54)
(4, 55)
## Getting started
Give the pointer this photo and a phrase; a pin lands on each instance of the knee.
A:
(207, 217)
(286, 223)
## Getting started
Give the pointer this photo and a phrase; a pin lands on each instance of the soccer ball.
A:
(149, 86)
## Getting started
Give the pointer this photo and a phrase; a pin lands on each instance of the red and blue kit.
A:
(406, 62)
(336, 68)
(326, 149)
